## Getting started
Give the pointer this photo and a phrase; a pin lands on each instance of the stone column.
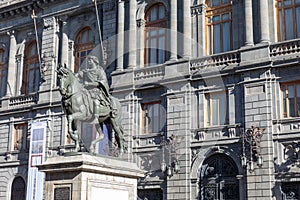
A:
(65, 44)
(187, 28)
(120, 37)
(264, 21)
(132, 34)
(141, 24)
(198, 13)
(173, 32)
(194, 34)
(11, 71)
(249, 23)
(71, 49)
(201, 31)
(231, 101)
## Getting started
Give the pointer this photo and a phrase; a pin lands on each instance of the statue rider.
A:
(95, 80)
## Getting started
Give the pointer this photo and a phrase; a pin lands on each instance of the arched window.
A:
(290, 190)
(18, 189)
(31, 72)
(84, 43)
(155, 35)
(288, 22)
(3, 73)
(219, 26)
(218, 178)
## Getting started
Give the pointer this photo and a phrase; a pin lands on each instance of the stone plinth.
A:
(87, 177)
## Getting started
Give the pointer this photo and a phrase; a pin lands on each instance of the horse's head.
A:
(66, 78)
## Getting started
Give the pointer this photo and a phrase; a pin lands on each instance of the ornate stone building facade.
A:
(209, 90)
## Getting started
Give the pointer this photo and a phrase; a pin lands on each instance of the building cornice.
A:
(24, 7)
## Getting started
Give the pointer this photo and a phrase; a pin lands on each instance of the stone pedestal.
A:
(87, 177)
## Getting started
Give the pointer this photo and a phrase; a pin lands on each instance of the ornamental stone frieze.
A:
(49, 23)
(198, 10)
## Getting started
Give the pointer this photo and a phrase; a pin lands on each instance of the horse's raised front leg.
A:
(73, 132)
(99, 138)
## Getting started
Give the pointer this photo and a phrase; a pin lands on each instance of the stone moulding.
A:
(86, 162)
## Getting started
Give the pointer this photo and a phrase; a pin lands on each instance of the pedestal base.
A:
(87, 177)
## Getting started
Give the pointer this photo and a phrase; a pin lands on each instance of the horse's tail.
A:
(116, 109)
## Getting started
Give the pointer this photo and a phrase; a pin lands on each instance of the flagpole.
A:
(99, 31)
(33, 16)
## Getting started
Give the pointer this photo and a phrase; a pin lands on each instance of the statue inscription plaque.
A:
(62, 193)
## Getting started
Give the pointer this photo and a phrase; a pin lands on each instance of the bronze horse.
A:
(78, 105)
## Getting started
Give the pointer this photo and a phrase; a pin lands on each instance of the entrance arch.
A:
(218, 179)
(18, 189)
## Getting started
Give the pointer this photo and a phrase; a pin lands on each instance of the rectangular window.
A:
(21, 141)
(288, 18)
(219, 27)
(151, 117)
(155, 35)
(217, 112)
(290, 99)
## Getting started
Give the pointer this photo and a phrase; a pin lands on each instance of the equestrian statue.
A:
(86, 97)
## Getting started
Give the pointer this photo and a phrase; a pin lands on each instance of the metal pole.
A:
(33, 16)
(99, 30)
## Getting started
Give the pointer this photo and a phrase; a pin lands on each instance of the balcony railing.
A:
(217, 132)
(223, 59)
(23, 100)
(149, 72)
(285, 48)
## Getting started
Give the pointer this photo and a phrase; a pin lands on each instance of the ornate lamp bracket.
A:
(169, 163)
(251, 148)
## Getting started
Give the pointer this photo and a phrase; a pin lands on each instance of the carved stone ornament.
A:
(49, 23)
(18, 58)
(11, 33)
(140, 23)
(71, 46)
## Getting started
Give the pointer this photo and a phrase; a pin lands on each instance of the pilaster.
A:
(258, 113)
(11, 75)
(132, 34)
(120, 37)
(19, 59)
(178, 123)
(49, 57)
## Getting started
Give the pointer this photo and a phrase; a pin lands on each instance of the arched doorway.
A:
(218, 179)
(18, 189)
